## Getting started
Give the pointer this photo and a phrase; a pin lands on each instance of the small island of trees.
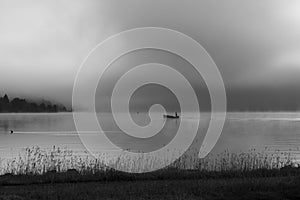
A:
(18, 105)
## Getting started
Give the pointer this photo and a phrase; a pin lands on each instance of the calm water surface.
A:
(242, 131)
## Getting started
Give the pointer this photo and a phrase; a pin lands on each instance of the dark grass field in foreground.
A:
(58, 174)
(278, 187)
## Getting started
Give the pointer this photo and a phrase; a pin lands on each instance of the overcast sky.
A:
(255, 44)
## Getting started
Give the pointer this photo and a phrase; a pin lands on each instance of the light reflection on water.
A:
(242, 131)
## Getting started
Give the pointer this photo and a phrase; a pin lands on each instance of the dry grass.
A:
(251, 175)
(35, 160)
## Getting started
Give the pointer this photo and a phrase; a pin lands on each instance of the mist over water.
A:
(242, 131)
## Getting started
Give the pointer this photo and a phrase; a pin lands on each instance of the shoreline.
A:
(284, 184)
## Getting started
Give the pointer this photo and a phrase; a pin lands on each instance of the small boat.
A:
(176, 116)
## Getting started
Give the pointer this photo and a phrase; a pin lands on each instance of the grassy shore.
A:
(269, 184)
(59, 174)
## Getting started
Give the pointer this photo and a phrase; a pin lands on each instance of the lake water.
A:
(242, 131)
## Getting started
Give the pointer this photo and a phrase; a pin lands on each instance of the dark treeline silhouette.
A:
(21, 105)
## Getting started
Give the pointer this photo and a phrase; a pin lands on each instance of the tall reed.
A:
(35, 160)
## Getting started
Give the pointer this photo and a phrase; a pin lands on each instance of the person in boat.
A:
(172, 116)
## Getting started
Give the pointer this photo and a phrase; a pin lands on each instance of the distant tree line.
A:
(21, 105)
